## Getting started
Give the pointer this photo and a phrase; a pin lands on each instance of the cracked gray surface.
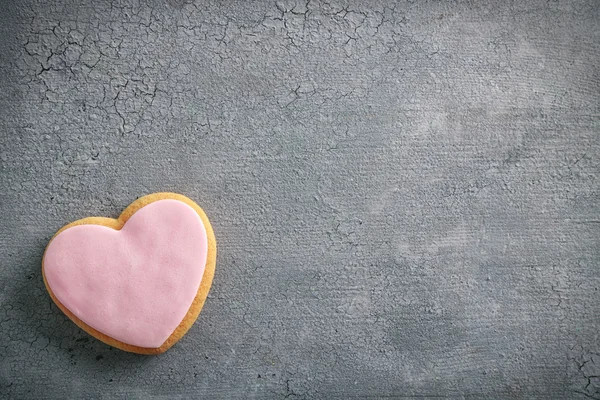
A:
(405, 195)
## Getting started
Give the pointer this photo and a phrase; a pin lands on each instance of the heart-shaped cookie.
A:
(137, 282)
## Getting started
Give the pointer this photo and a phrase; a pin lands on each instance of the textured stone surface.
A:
(405, 195)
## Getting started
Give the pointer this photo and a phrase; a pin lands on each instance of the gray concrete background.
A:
(405, 195)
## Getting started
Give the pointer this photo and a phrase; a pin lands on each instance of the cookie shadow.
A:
(42, 324)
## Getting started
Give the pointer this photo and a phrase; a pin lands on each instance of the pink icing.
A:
(135, 284)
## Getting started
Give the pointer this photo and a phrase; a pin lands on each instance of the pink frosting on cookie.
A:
(135, 284)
